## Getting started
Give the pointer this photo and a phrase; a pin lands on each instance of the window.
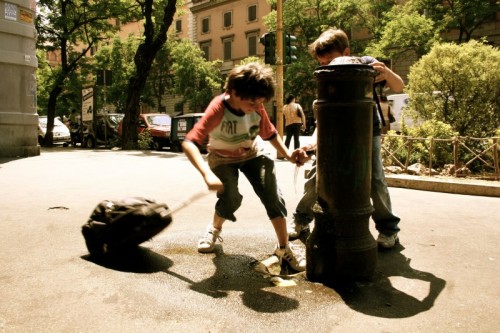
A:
(205, 25)
(228, 46)
(252, 13)
(252, 45)
(228, 19)
(178, 25)
(93, 50)
(205, 47)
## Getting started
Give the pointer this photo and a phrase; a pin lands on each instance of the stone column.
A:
(341, 246)
(18, 63)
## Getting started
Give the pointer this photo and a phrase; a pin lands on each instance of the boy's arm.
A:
(282, 150)
(394, 81)
(193, 154)
(303, 154)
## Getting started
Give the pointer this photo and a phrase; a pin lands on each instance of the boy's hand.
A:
(300, 156)
(213, 182)
(381, 69)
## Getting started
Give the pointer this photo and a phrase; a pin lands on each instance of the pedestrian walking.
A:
(295, 121)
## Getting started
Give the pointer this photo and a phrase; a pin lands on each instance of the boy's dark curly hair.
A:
(251, 81)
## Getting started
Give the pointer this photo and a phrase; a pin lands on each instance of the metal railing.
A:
(399, 151)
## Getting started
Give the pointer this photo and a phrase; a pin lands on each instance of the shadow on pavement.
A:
(380, 298)
(233, 273)
(396, 290)
(137, 260)
(4, 160)
(236, 273)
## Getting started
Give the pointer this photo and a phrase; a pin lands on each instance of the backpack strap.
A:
(379, 108)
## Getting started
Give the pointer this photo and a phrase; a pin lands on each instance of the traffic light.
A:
(269, 41)
(290, 50)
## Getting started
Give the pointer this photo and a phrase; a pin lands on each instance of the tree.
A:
(179, 68)
(160, 78)
(118, 58)
(43, 76)
(195, 78)
(72, 28)
(370, 15)
(157, 16)
(463, 15)
(459, 85)
(406, 33)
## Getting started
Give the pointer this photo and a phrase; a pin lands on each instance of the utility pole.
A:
(279, 69)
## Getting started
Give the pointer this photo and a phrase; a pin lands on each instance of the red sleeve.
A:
(212, 117)
(267, 129)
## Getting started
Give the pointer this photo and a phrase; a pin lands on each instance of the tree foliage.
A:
(118, 58)
(195, 77)
(71, 28)
(315, 17)
(459, 85)
(406, 33)
(466, 16)
(414, 27)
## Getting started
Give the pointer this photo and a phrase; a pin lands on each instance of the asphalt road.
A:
(442, 278)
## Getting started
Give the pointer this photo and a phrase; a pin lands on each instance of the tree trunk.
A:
(144, 57)
(51, 113)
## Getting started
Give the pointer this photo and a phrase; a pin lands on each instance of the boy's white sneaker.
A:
(294, 259)
(387, 242)
(206, 244)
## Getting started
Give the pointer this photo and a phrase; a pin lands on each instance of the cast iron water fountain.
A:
(341, 245)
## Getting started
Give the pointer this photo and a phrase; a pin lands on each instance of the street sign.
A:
(87, 104)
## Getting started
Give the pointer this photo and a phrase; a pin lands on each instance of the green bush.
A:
(458, 85)
(145, 140)
(442, 150)
(396, 144)
(480, 155)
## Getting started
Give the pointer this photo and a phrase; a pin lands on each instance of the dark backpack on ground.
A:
(123, 224)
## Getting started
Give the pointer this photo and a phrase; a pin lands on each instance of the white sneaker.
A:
(294, 259)
(206, 244)
(387, 242)
(294, 229)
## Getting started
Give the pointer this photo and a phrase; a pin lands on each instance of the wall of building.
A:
(236, 41)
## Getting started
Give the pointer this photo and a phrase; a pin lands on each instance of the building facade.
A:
(228, 30)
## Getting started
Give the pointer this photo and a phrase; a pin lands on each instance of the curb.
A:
(467, 187)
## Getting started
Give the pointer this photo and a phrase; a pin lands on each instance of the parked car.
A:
(181, 125)
(60, 132)
(158, 124)
(103, 130)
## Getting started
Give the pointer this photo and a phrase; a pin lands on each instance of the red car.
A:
(158, 124)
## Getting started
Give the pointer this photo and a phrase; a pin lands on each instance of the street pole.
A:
(105, 112)
(279, 69)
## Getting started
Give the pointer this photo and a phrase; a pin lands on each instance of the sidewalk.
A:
(441, 278)
(445, 184)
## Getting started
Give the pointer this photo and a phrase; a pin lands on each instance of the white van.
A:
(397, 104)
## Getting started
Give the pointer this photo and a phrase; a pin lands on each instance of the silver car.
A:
(60, 131)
